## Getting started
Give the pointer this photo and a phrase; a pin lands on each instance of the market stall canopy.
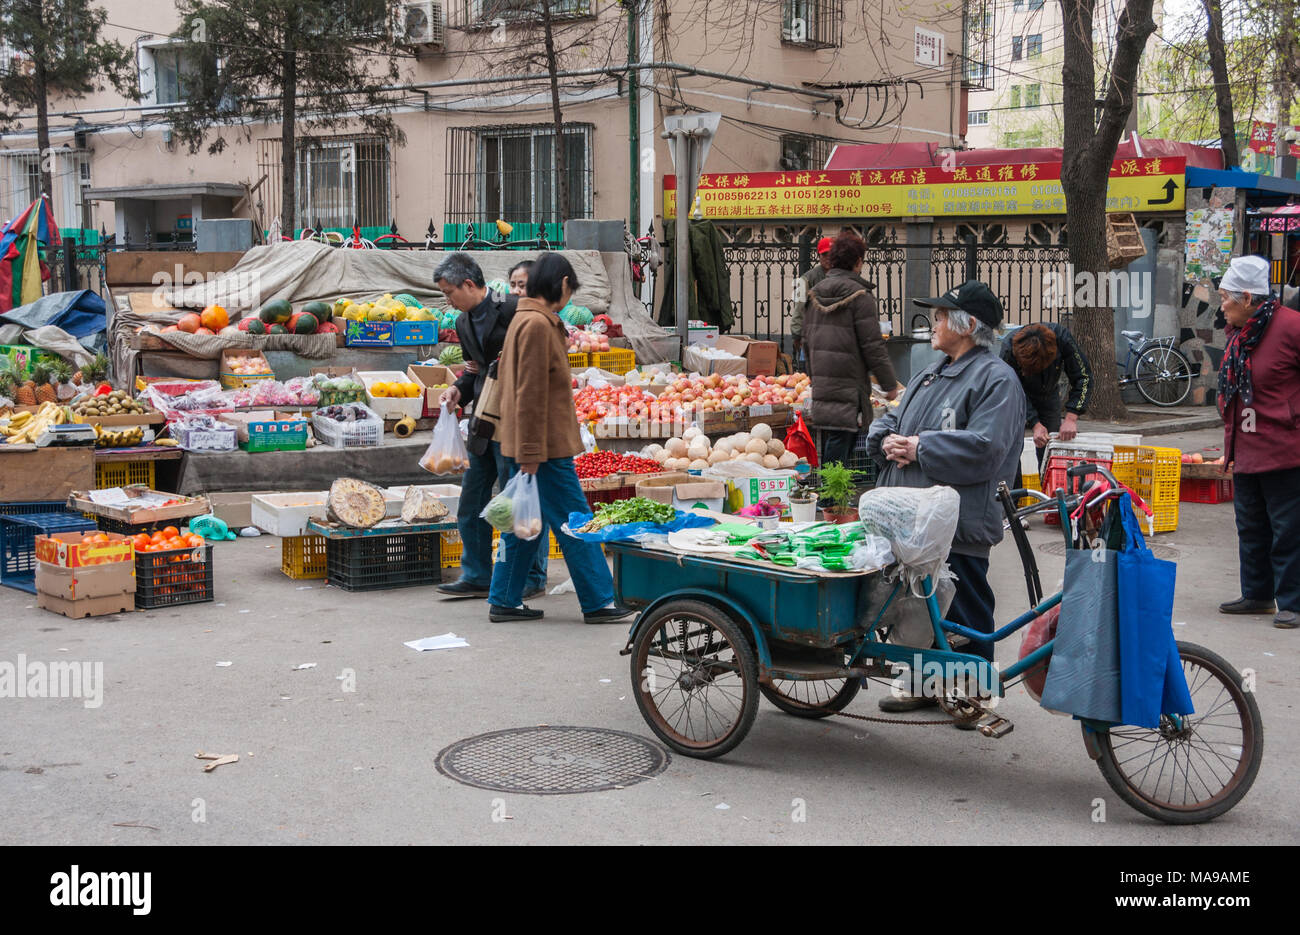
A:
(21, 268)
(1260, 189)
(908, 155)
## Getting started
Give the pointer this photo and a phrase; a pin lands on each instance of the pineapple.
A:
(44, 392)
(24, 393)
(62, 371)
(8, 380)
(94, 372)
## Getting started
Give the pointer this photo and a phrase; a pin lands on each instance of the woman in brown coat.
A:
(539, 436)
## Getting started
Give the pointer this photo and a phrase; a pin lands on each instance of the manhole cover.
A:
(1159, 551)
(552, 760)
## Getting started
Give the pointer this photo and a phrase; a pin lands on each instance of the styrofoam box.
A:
(388, 407)
(287, 514)
(448, 494)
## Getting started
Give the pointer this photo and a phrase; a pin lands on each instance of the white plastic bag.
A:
(526, 507)
(500, 510)
(918, 522)
(588, 440)
(446, 454)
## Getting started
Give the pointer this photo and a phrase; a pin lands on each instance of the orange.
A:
(102, 538)
(157, 537)
(141, 541)
(214, 317)
(170, 532)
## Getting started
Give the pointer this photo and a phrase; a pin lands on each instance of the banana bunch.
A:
(123, 438)
(25, 427)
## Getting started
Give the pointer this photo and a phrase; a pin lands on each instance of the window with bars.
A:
(339, 181)
(20, 184)
(11, 60)
(508, 173)
(812, 24)
(1033, 93)
(977, 44)
(480, 14)
(803, 152)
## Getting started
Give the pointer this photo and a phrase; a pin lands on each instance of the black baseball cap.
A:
(971, 297)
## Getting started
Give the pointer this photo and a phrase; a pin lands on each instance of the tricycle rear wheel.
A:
(1215, 752)
(695, 678)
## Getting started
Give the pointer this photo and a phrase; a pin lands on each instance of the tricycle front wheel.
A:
(1191, 768)
(696, 678)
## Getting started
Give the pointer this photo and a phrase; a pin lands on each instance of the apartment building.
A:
(791, 78)
(1015, 100)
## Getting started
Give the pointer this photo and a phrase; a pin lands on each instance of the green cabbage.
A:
(499, 513)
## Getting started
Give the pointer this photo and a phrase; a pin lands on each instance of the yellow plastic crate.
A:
(615, 360)
(1124, 466)
(552, 553)
(578, 361)
(122, 473)
(452, 549)
(303, 556)
(1029, 482)
(1159, 471)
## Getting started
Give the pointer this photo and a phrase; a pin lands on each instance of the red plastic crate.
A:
(1205, 490)
(1054, 477)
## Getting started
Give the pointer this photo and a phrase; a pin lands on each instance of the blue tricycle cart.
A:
(715, 634)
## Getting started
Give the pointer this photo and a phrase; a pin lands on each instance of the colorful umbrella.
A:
(21, 268)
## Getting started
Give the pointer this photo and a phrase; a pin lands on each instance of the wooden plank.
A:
(115, 455)
(45, 473)
(137, 267)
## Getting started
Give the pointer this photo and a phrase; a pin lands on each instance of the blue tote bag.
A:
(1151, 673)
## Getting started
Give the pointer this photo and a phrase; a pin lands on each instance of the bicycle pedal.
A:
(995, 726)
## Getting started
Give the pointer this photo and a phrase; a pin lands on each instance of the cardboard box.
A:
(746, 491)
(415, 332)
(235, 509)
(148, 418)
(231, 380)
(44, 474)
(429, 376)
(759, 356)
(693, 360)
(79, 501)
(89, 607)
(267, 430)
(683, 491)
(368, 333)
(23, 357)
(76, 584)
(67, 549)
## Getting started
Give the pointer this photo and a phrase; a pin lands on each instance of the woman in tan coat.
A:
(539, 436)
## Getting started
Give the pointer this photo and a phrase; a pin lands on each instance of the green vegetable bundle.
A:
(633, 510)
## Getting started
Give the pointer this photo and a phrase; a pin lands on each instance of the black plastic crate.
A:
(166, 579)
(372, 563)
(108, 524)
(859, 462)
(18, 543)
(24, 507)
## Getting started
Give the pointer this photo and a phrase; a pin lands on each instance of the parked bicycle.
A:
(1161, 373)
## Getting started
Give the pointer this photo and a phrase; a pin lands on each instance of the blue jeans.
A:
(485, 471)
(560, 494)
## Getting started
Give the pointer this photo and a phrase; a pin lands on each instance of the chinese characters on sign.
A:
(929, 48)
(1021, 188)
(1262, 137)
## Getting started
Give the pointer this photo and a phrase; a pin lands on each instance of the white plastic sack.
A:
(918, 522)
(588, 440)
(526, 507)
(446, 454)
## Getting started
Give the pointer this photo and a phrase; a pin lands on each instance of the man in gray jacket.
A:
(961, 424)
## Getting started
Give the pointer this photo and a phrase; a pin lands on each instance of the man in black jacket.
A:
(481, 328)
(1038, 353)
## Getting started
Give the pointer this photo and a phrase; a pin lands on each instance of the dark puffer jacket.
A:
(841, 332)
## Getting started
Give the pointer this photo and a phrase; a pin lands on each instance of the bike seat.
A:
(1133, 335)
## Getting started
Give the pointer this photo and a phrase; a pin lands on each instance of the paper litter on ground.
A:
(446, 641)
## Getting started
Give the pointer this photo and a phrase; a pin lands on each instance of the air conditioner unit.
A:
(424, 24)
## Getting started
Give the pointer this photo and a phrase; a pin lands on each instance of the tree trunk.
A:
(288, 151)
(1222, 89)
(561, 162)
(44, 152)
(1088, 151)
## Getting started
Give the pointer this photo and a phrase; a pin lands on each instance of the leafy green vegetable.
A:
(500, 514)
(633, 510)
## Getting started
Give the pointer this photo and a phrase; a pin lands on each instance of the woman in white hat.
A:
(1259, 399)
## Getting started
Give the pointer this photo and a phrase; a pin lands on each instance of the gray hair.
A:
(967, 324)
(1241, 297)
(457, 268)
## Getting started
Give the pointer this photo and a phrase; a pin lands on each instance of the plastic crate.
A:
(452, 550)
(578, 361)
(859, 461)
(1124, 465)
(362, 434)
(553, 553)
(303, 556)
(108, 524)
(1205, 490)
(371, 563)
(23, 507)
(617, 360)
(166, 579)
(1159, 473)
(124, 473)
(18, 543)
(1029, 482)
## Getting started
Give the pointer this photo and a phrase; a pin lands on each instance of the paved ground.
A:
(319, 765)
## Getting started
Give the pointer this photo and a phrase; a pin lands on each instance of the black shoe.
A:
(535, 592)
(906, 703)
(1246, 605)
(507, 614)
(608, 614)
(1286, 620)
(463, 588)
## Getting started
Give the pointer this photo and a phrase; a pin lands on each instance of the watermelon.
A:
(321, 310)
(328, 327)
(244, 323)
(275, 312)
(292, 323)
(276, 329)
(304, 323)
(255, 326)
